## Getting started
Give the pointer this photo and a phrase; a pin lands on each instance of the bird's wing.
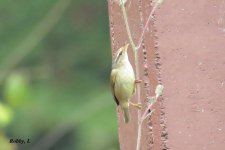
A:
(112, 83)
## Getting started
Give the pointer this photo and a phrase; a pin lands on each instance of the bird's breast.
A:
(124, 86)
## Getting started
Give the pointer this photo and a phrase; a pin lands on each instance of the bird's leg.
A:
(138, 81)
(136, 105)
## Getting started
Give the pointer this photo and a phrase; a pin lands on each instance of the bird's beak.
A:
(126, 47)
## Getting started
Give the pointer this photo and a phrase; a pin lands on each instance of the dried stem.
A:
(146, 24)
(127, 26)
(141, 118)
(135, 51)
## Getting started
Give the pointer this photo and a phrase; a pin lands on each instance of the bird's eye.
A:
(120, 53)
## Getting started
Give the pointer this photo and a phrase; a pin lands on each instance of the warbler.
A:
(123, 81)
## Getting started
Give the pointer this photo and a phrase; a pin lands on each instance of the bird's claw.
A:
(138, 105)
(138, 81)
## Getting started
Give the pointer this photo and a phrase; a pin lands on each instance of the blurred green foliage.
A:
(16, 90)
(57, 94)
(5, 115)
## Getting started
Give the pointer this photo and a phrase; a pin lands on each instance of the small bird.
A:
(123, 81)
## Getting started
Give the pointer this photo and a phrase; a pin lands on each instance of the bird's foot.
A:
(137, 105)
(138, 81)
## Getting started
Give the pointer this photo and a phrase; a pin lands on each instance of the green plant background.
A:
(54, 76)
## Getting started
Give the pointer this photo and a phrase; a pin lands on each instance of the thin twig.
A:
(147, 115)
(147, 23)
(136, 71)
(141, 118)
(127, 26)
(147, 110)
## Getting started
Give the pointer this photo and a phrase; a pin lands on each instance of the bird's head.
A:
(121, 55)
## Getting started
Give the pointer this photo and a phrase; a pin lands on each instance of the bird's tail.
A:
(126, 114)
